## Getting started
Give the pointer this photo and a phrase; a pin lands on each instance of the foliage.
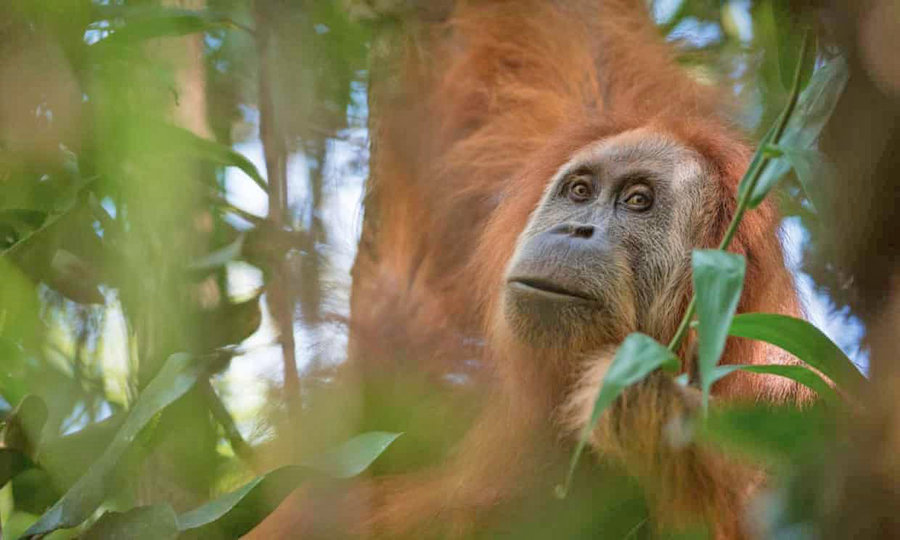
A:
(120, 241)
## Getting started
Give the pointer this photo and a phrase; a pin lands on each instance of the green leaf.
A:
(769, 433)
(801, 374)
(354, 456)
(21, 222)
(143, 24)
(22, 429)
(215, 152)
(219, 257)
(19, 307)
(64, 253)
(12, 462)
(68, 457)
(156, 522)
(813, 170)
(638, 356)
(235, 513)
(34, 491)
(804, 341)
(718, 282)
(813, 110)
(177, 376)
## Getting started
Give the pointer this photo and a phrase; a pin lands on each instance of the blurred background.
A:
(188, 176)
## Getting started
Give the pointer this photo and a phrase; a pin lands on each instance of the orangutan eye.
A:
(639, 198)
(580, 190)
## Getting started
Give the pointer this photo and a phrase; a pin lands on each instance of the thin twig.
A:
(224, 419)
(279, 294)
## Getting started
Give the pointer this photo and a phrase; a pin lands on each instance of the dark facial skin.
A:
(608, 244)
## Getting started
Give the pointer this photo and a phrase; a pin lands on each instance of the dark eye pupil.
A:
(638, 200)
(581, 190)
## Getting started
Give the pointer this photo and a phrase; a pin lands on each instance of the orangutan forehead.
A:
(640, 149)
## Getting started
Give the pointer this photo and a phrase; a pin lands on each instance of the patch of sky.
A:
(843, 328)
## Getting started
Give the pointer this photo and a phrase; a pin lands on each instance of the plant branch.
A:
(279, 295)
(751, 178)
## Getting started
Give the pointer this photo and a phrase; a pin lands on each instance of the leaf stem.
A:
(751, 178)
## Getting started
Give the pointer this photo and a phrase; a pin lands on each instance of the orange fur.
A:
(483, 110)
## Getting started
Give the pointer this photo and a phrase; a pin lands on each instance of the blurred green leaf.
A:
(718, 282)
(16, 223)
(804, 341)
(237, 512)
(772, 434)
(12, 462)
(74, 278)
(813, 110)
(67, 458)
(19, 307)
(219, 257)
(813, 170)
(214, 152)
(638, 356)
(156, 522)
(354, 456)
(177, 376)
(147, 23)
(65, 253)
(13, 384)
(801, 374)
(230, 323)
(22, 428)
(33, 491)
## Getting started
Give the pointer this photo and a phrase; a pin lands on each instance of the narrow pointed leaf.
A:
(177, 376)
(219, 257)
(801, 374)
(718, 282)
(637, 357)
(771, 434)
(813, 110)
(143, 24)
(216, 153)
(12, 462)
(156, 522)
(804, 341)
(235, 513)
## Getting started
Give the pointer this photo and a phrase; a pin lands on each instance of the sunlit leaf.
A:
(354, 456)
(801, 374)
(804, 341)
(235, 513)
(177, 376)
(154, 522)
(638, 356)
(148, 23)
(19, 307)
(718, 282)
